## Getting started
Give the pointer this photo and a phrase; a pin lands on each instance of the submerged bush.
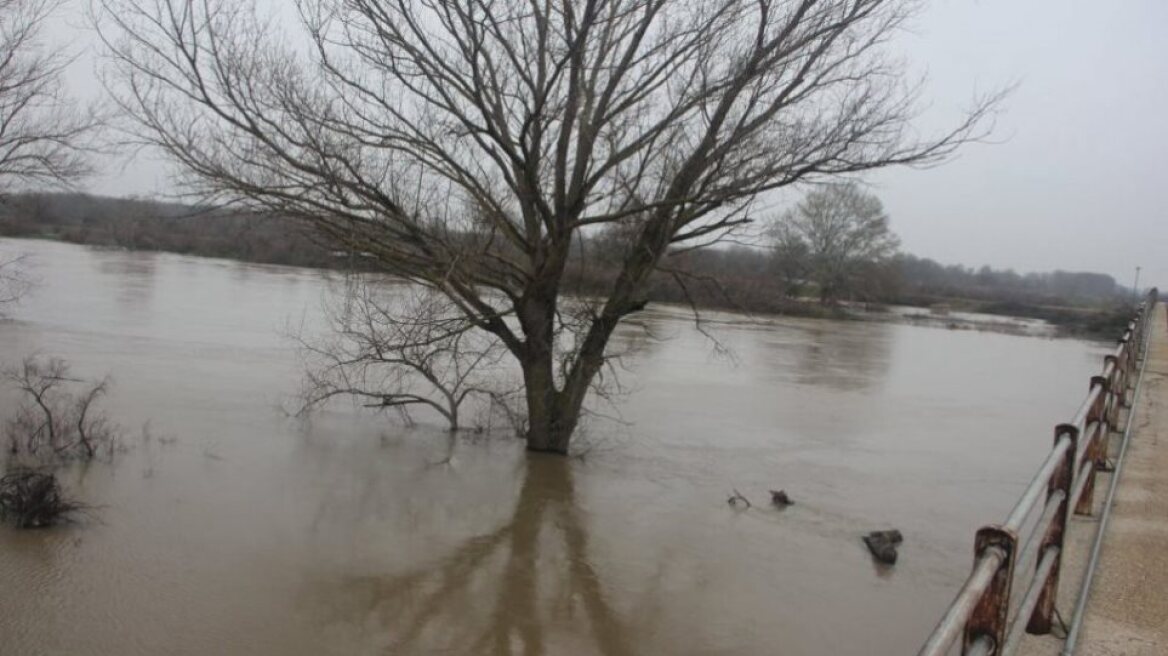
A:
(57, 418)
(30, 498)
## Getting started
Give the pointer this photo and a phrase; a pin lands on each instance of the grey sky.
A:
(1073, 179)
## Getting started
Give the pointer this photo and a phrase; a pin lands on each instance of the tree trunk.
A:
(554, 413)
(546, 430)
(549, 427)
(453, 404)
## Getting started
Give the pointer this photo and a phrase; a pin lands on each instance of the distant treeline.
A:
(735, 277)
(155, 226)
(922, 276)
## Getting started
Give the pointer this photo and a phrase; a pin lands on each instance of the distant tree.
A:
(470, 145)
(790, 261)
(985, 276)
(43, 135)
(1071, 284)
(838, 235)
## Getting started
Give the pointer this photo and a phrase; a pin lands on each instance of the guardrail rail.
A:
(1022, 556)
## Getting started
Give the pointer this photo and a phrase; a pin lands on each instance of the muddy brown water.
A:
(236, 530)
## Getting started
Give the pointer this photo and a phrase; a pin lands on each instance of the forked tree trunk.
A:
(553, 413)
(550, 422)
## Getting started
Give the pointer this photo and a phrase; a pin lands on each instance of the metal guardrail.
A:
(1023, 557)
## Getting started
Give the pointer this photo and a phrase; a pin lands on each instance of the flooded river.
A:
(234, 529)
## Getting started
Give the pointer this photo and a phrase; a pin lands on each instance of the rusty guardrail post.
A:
(1148, 306)
(1112, 415)
(1125, 366)
(1095, 457)
(1062, 480)
(990, 617)
(1132, 328)
(984, 602)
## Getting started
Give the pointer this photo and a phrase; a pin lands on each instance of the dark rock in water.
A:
(891, 535)
(883, 550)
(780, 498)
(882, 544)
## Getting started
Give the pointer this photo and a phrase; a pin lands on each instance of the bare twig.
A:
(397, 347)
(737, 497)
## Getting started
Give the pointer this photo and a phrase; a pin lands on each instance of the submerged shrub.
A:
(31, 498)
(57, 418)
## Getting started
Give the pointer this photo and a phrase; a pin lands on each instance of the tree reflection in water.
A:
(506, 591)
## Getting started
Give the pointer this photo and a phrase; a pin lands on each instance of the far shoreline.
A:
(946, 313)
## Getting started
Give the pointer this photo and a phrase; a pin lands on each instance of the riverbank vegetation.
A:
(733, 277)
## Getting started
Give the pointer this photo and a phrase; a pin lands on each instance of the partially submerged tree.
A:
(838, 237)
(397, 346)
(468, 145)
(53, 423)
(43, 135)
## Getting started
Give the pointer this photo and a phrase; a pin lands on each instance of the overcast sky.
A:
(1073, 181)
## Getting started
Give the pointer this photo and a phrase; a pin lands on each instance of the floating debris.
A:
(882, 544)
(780, 498)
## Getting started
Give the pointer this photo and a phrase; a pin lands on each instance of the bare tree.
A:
(43, 135)
(790, 261)
(841, 236)
(397, 346)
(52, 423)
(466, 145)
